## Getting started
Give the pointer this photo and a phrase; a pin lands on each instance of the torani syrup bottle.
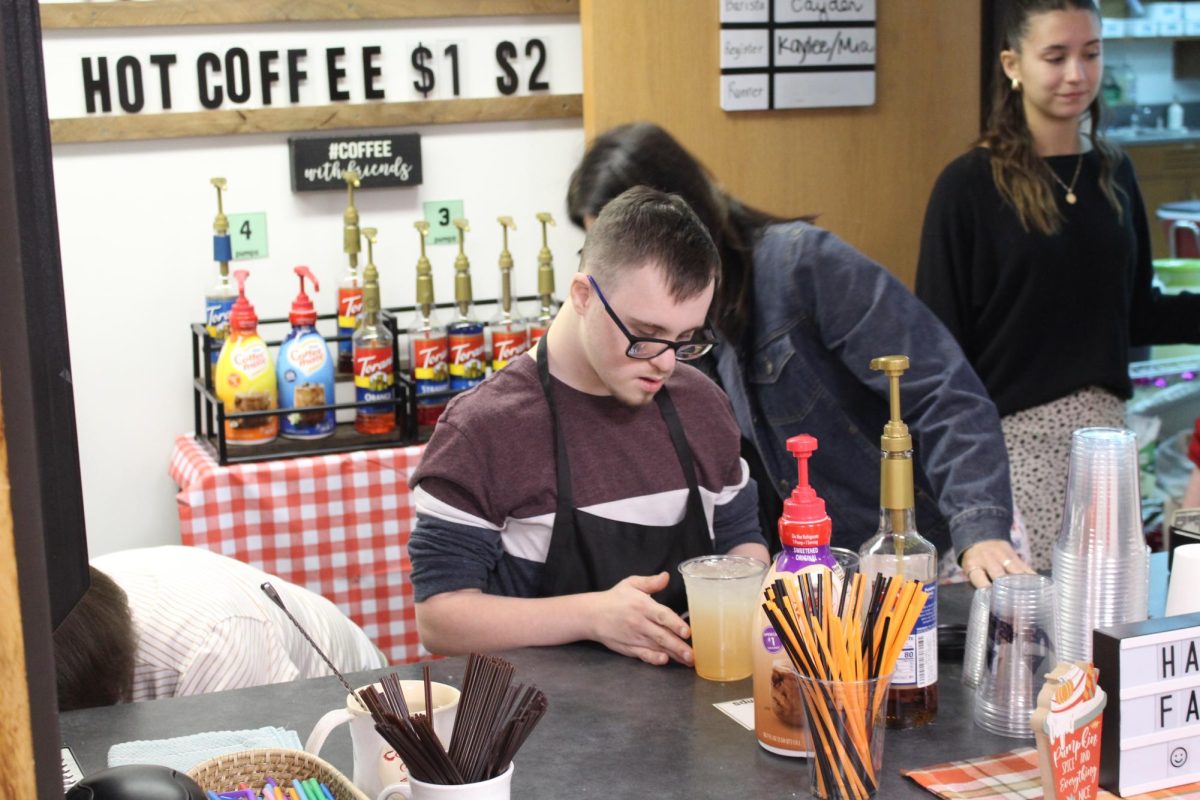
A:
(510, 337)
(804, 531)
(429, 351)
(374, 362)
(547, 304)
(219, 300)
(465, 332)
(350, 290)
(898, 550)
(245, 377)
(305, 370)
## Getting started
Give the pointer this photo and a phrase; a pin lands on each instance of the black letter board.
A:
(392, 159)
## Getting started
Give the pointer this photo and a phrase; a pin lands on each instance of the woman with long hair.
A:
(1035, 254)
(799, 315)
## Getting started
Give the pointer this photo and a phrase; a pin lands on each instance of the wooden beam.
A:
(237, 12)
(313, 118)
(16, 745)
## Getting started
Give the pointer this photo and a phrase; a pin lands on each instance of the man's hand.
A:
(627, 620)
(985, 561)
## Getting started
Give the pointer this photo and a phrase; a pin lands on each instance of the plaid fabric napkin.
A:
(1008, 776)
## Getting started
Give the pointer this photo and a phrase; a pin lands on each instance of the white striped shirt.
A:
(203, 624)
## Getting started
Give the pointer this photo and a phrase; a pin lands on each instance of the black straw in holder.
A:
(270, 592)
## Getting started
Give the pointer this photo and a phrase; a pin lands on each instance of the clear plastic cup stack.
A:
(1020, 651)
(1101, 563)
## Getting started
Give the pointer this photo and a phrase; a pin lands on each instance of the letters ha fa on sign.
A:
(1151, 673)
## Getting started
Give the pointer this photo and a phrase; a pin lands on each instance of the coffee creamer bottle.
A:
(804, 531)
(305, 370)
(547, 304)
(245, 378)
(350, 290)
(429, 350)
(510, 337)
(465, 332)
(218, 301)
(898, 550)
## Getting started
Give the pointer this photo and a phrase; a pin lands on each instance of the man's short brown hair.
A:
(645, 226)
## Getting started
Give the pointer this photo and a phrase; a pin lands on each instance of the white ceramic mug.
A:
(497, 788)
(376, 764)
(1183, 588)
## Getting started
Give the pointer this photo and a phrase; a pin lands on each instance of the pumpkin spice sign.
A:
(1067, 724)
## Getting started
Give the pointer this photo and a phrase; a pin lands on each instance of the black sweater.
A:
(1042, 316)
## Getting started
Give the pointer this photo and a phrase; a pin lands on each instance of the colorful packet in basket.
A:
(1067, 725)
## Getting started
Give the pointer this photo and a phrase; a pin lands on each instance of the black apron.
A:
(590, 553)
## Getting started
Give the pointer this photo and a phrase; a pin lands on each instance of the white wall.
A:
(135, 225)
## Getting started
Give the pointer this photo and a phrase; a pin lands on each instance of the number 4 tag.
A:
(249, 237)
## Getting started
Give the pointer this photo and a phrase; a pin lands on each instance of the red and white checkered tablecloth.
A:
(336, 524)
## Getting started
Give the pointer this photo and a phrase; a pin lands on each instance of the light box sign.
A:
(318, 162)
(1151, 673)
(778, 54)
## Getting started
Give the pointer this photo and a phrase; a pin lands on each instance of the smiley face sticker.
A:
(1179, 757)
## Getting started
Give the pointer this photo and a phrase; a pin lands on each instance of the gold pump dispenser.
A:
(221, 223)
(506, 265)
(545, 262)
(424, 273)
(350, 289)
(350, 232)
(219, 300)
(370, 274)
(898, 550)
(462, 272)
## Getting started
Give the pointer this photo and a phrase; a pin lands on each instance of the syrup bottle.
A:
(429, 350)
(804, 531)
(465, 332)
(374, 364)
(898, 550)
(510, 337)
(547, 304)
(350, 290)
(218, 301)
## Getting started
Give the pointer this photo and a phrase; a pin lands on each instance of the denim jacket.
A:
(821, 312)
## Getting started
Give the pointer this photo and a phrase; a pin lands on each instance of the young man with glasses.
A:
(555, 501)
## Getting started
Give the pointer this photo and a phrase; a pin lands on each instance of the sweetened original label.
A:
(429, 365)
(466, 357)
(507, 345)
(350, 302)
(216, 322)
(373, 377)
(917, 665)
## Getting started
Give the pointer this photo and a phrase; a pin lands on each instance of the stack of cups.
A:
(1020, 651)
(975, 649)
(1101, 561)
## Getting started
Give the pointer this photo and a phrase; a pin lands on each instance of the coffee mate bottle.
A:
(350, 290)
(429, 350)
(218, 301)
(898, 550)
(374, 362)
(245, 377)
(547, 304)
(465, 332)
(804, 531)
(510, 337)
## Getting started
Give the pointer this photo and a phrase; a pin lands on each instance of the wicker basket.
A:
(253, 766)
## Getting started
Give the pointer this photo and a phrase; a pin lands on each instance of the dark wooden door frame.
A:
(35, 368)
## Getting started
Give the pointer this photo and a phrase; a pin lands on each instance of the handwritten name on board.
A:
(1151, 672)
(797, 54)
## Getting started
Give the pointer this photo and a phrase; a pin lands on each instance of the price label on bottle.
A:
(248, 234)
(440, 214)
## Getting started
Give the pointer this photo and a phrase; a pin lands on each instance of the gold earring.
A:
(1016, 84)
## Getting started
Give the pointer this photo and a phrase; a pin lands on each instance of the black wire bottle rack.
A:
(210, 415)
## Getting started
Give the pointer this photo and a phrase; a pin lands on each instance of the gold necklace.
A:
(1070, 190)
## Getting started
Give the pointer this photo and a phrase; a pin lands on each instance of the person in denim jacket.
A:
(799, 316)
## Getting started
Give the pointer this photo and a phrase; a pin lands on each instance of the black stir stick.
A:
(270, 592)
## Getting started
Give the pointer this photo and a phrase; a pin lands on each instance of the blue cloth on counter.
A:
(184, 752)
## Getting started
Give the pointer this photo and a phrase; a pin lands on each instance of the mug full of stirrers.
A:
(843, 643)
(494, 718)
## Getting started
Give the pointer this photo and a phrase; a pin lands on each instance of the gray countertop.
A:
(616, 728)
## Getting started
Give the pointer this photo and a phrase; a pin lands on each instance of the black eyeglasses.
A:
(645, 347)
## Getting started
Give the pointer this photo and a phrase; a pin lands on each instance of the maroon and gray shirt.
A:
(485, 488)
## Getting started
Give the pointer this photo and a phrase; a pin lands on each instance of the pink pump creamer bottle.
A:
(804, 531)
